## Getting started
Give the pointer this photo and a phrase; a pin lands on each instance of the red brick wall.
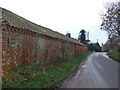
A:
(24, 47)
(0, 53)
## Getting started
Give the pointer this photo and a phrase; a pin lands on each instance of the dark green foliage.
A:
(94, 47)
(68, 34)
(97, 47)
(87, 42)
(119, 50)
(81, 36)
(91, 47)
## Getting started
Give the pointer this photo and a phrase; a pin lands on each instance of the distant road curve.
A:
(97, 71)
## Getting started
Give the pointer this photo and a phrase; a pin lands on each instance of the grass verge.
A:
(114, 54)
(46, 79)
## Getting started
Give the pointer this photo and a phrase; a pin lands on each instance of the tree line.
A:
(110, 24)
(91, 46)
(83, 37)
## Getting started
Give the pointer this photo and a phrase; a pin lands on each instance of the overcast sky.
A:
(62, 15)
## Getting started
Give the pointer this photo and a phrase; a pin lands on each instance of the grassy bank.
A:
(114, 54)
(45, 79)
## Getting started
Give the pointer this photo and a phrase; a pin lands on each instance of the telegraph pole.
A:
(97, 40)
(87, 34)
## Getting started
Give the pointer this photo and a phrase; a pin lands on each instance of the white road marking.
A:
(105, 55)
(83, 66)
(77, 74)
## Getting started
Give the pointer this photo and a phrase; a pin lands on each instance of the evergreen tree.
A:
(81, 36)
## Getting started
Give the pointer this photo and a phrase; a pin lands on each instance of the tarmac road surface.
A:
(97, 71)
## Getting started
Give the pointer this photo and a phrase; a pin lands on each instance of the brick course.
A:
(21, 46)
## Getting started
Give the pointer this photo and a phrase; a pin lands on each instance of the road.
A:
(97, 71)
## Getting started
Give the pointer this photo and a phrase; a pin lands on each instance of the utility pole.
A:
(87, 35)
(97, 40)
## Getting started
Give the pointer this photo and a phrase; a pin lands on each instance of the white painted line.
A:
(84, 66)
(105, 55)
(77, 74)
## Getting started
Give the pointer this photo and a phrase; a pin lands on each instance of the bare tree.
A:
(111, 19)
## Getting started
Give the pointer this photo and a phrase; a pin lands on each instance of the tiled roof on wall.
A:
(19, 22)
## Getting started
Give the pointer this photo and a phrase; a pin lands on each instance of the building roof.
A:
(19, 22)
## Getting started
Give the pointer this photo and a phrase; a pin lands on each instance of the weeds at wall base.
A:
(42, 79)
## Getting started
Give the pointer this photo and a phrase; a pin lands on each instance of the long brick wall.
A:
(0, 48)
(25, 47)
